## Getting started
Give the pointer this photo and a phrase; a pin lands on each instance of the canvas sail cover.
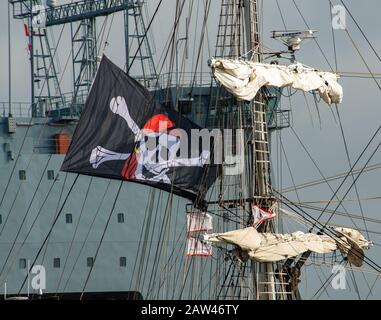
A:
(247, 239)
(244, 79)
(124, 133)
(268, 247)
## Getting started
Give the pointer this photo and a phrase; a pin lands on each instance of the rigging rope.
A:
(324, 229)
(87, 236)
(338, 213)
(30, 229)
(75, 233)
(144, 36)
(354, 182)
(317, 43)
(331, 178)
(362, 32)
(358, 159)
(318, 168)
(101, 240)
(38, 139)
(25, 215)
(14, 167)
(49, 233)
(350, 165)
(281, 15)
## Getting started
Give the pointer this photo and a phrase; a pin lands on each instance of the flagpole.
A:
(28, 277)
(9, 63)
(34, 111)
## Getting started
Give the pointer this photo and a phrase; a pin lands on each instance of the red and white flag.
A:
(27, 34)
(196, 248)
(261, 215)
(199, 222)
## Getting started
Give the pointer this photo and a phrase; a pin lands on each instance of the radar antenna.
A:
(293, 40)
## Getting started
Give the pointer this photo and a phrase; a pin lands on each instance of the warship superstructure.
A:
(98, 237)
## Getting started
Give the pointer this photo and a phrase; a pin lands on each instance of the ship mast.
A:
(239, 38)
(270, 283)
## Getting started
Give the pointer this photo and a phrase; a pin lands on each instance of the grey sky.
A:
(360, 111)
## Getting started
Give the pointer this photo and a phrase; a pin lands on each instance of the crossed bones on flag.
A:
(145, 155)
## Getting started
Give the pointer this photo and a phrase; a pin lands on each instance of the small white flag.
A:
(199, 222)
(261, 215)
(196, 248)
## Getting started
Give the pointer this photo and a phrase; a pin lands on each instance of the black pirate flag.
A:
(125, 134)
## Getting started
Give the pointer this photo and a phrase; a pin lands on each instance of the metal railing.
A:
(185, 79)
(19, 109)
(280, 119)
(24, 109)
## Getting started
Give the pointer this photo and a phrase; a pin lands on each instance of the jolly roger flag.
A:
(124, 133)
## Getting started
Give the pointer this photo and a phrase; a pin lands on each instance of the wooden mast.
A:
(265, 278)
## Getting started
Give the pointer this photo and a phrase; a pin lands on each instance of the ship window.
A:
(200, 108)
(1, 219)
(56, 262)
(22, 263)
(120, 217)
(69, 218)
(123, 261)
(90, 261)
(50, 174)
(185, 105)
(22, 175)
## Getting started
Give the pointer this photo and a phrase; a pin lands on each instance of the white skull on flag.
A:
(147, 155)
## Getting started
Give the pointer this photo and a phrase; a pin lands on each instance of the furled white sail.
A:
(268, 247)
(246, 239)
(244, 78)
